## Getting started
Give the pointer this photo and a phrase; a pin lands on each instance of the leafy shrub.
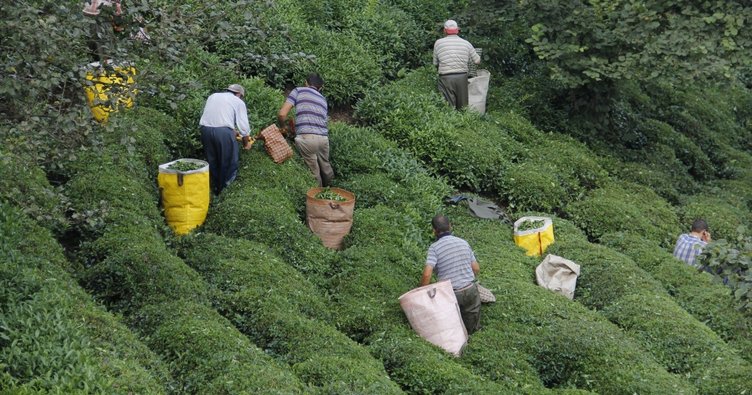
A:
(420, 367)
(54, 338)
(25, 185)
(622, 292)
(709, 302)
(731, 260)
(722, 217)
(626, 207)
(245, 274)
(208, 355)
(532, 186)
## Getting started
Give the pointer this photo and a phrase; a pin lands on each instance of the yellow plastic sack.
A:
(534, 241)
(104, 80)
(185, 195)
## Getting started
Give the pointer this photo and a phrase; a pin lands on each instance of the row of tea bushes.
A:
(625, 207)
(695, 291)
(628, 296)
(282, 312)
(567, 344)
(262, 206)
(484, 154)
(25, 185)
(373, 274)
(53, 337)
(125, 262)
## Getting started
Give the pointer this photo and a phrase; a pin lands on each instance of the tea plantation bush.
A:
(625, 207)
(276, 307)
(708, 301)
(25, 185)
(633, 300)
(54, 338)
(531, 321)
(130, 268)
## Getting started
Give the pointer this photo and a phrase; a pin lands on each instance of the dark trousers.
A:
(469, 300)
(454, 89)
(221, 152)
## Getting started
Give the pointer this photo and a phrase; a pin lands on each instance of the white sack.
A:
(434, 314)
(558, 274)
(477, 90)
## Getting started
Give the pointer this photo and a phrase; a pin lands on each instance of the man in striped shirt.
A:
(452, 55)
(690, 245)
(454, 260)
(312, 134)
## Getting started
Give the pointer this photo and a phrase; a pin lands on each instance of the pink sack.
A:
(434, 314)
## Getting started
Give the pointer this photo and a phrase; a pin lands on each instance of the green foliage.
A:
(723, 218)
(627, 207)
(53, 338)
(269, 301)
(208, 355)
(731, 260)
(708, 301)
(590, 43)
(24, 184)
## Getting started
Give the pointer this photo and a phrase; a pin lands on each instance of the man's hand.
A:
(705, 236)
(247, 142)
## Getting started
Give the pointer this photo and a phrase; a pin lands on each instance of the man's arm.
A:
(425, 279)
(475, 267)
(282, 115)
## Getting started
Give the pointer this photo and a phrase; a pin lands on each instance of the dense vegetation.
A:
(98, 296)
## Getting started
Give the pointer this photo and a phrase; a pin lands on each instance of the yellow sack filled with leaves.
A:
(108, 85)
(534, 234)
(184, 187)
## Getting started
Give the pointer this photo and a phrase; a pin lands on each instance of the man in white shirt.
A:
(224, 116)
(452, 55)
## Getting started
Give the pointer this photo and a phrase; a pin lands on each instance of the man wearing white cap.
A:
(451, 55)
(225, 115)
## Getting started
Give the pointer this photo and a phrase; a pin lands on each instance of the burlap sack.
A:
(275, 144)
(434, 314)
(330, 220)
(558, 274)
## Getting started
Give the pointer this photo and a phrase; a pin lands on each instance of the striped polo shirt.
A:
(452, 54)
(310, 111)
(450, 257)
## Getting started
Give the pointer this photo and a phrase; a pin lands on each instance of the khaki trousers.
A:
(314, 149)
(469, 300)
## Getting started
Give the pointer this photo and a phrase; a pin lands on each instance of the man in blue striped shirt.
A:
(690, 245)
(454, 260)
(312, 134)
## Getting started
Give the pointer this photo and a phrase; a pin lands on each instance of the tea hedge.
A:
(708, 301)
(25, 185)
(53, 337)
(723, 217)
(629, 297)
(126, 263)
(625, 207)
(276, 307)
(531, 321)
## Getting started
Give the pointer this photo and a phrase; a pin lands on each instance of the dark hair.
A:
(441, 224)
(699, 225)
(315, 80)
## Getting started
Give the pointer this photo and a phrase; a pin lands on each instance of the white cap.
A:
(450, 27)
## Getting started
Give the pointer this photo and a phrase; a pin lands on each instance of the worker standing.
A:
(452, 54)
(312, 133)
(225, 115)
(453, 259)
(689, 245)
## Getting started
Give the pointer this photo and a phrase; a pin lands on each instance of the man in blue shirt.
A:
(454, 260)
(690, 245)
(311, 131)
